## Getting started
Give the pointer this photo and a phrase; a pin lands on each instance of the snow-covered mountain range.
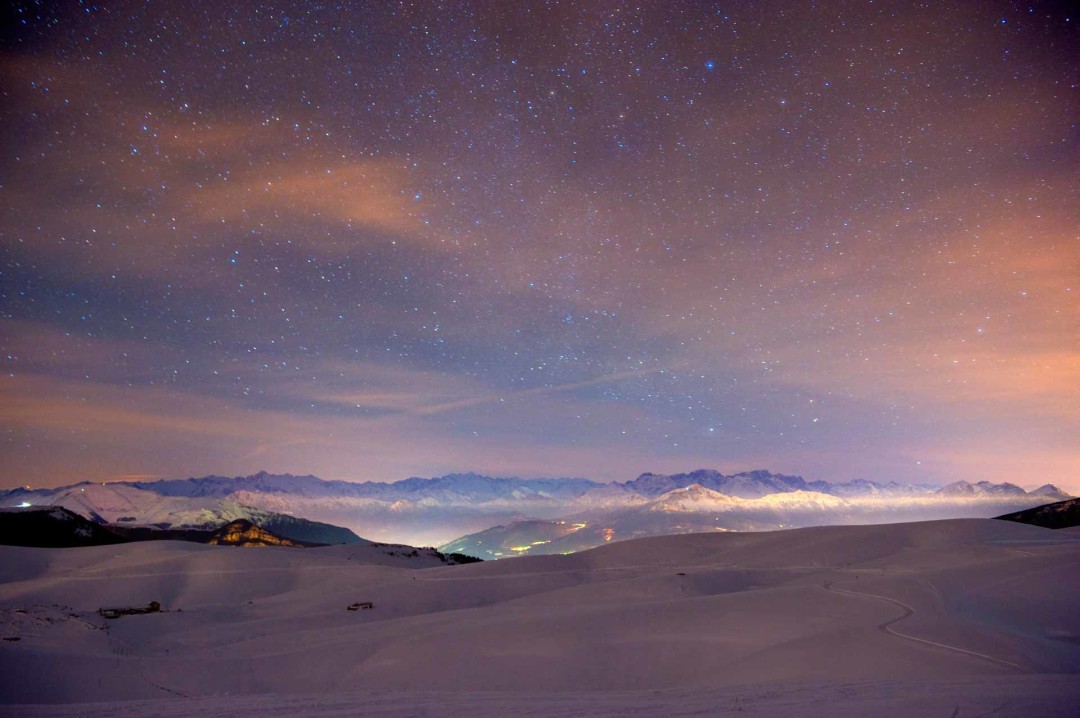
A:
(421, 511)
(697, 509)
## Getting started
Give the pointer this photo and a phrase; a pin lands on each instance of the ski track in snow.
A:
(909, 611)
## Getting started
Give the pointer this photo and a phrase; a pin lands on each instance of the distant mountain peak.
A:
(746, 484)
(1050, 490)
(982, 488)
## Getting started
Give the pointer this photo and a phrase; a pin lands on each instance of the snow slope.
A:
(903, 619)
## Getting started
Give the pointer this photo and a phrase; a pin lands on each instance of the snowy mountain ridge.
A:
(471, 488)
(430, 511)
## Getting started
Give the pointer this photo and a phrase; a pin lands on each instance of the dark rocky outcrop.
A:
(1061, 515)
(53, 527)
(244, 533)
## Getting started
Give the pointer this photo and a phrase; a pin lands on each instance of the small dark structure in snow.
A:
(361, 606)
(152, 607)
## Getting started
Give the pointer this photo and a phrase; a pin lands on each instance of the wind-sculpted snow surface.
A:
(961, 617)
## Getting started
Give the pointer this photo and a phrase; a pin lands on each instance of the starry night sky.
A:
(375, 240)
